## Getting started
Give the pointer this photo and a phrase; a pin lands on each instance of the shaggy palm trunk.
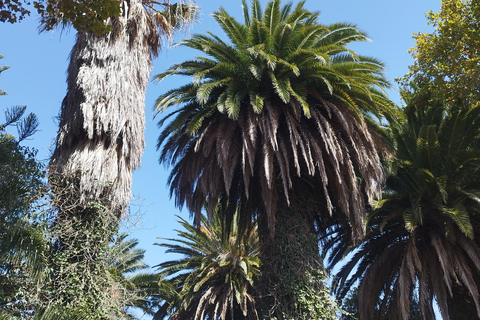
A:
(292, 285)
(99, 144)
(102, 122)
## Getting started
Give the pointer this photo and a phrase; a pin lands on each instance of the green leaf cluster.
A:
(88, 15)
(446, 60)
(216, 276)
(22, 230)
(280, 53)
(13, 10)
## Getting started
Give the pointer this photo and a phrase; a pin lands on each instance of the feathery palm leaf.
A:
(126, 267)
(215, 278)
(424, 236)
(282, 105)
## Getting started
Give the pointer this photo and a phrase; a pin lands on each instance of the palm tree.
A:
(423, 238)
(133, 286)
(274, 123)
(100, 143)
(217, 275)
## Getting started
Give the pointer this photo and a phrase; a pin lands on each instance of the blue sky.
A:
(37, 74)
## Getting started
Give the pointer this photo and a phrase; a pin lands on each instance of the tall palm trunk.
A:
(292, 284)
(101, 132)
(99, 144)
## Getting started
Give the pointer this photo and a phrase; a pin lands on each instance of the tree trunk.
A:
(292, 285)
(100, 140)
(99, 144)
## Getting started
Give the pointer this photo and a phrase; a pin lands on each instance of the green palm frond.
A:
(218, 272)
(423, 237)
(279, 62)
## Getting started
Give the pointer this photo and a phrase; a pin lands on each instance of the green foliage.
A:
(259, 66)
(89, 15)
(216, 277)
(13, 10)
(21, 173)
(22, 232)
(78, 277)
(423, 237)
(93, 272)
(89, 269)
(95, 15)
(126, 266)
(446, 60)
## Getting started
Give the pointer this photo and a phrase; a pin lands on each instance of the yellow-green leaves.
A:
(86, 15)
(447, 60)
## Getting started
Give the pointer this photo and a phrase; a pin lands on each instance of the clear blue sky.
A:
(37, 74)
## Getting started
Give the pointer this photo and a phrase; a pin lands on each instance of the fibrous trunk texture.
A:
(102, 121)
(99, 144)
(292, 284)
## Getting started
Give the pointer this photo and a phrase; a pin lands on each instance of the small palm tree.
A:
(423, 238)
(275, 124)
(126, 267)
(216, 277)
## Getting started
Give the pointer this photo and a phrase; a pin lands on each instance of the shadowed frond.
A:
(423, 237)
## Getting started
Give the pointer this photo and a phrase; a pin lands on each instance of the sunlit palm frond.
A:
(216, 276)
(241, 118)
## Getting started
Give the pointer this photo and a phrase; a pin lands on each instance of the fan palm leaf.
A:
(102, 120)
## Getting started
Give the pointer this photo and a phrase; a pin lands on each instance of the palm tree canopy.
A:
(216, 276)
(423, 237)
(282, 104)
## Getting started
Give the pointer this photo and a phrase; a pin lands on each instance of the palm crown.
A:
(423, 238)
(282, 105)
(216, 276)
